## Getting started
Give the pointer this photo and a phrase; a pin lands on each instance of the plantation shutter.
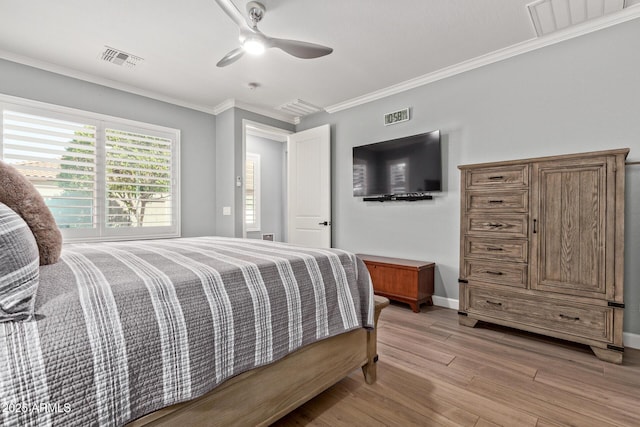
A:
(138, 179)
(252, 192)
(59, 159)
(103, 178)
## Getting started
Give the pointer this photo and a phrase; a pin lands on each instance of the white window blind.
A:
(59, 158)
(252, 192)
(138, 180)
(102, 178)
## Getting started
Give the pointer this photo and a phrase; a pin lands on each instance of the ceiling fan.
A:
(254, 41)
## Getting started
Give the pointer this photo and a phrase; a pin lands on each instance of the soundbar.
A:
(410, 197)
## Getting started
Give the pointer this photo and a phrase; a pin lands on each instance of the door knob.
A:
(325, 223)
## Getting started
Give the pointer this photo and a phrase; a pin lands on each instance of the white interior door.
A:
(309, 187)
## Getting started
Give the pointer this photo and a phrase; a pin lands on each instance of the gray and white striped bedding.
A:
(125, 328)
(19, 263)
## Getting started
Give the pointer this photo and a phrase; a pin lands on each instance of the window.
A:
(103, 178)
(252, 192)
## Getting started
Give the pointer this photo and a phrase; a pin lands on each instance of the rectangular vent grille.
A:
(549, 16)
(119, 57)
(299, 108)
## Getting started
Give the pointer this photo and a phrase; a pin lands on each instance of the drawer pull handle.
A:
(495, 273)
(564, 316)
(534, 226)
(496, 177)
(496, 201)
(494, 249)
(495, 225)
(497, 304)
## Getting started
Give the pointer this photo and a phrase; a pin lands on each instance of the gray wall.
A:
(579, 95)
(230, 164)
(225, 172)
(198, 130)
(272, 185)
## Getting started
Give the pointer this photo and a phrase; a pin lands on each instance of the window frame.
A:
(101, 121)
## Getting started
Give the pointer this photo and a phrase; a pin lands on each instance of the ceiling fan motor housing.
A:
(256, 11)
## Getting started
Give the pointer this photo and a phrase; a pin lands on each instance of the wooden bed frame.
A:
(263, 395)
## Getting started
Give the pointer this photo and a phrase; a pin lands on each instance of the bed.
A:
(190, 331)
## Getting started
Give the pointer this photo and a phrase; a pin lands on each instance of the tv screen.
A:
(400, 166)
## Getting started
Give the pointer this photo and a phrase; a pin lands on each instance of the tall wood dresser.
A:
(541, 247)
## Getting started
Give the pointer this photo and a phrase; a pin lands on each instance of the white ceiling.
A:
(377, 44)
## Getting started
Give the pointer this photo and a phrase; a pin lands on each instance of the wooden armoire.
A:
(542, 247)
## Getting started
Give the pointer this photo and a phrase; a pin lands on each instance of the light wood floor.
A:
(434, 372)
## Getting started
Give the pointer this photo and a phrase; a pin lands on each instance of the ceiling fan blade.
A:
(233, 12)
(231, 57)
(300, 49)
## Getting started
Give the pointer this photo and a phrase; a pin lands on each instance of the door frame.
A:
(250, 127)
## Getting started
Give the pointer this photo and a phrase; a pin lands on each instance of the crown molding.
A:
(627, 14)
(68, 72)
(224, 106)
(263, 111)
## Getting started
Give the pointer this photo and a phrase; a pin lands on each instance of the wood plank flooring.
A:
(433, 372)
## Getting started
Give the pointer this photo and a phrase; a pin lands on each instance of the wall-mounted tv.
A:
(399, 169)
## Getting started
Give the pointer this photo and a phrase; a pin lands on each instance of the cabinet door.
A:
(573, 227)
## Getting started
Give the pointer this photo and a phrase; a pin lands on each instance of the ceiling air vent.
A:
(553, 15)
(299, 108)
(119, 57)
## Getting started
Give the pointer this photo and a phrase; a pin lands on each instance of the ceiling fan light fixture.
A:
(253, 41)
(253, 46)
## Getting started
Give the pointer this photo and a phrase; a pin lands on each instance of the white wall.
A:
(579, 95)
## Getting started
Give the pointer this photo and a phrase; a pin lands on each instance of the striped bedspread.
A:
(126, 328)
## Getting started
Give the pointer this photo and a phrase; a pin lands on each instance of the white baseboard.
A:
(445, 302)
(630, 340)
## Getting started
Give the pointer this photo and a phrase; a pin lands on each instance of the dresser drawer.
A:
(514, 250)
(498, 177)
(594, 322)
(498, 201)
(501, 273)
(497, 225)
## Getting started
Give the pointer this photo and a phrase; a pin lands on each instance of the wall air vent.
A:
(299, 108)
(549, 16)
(119, 57)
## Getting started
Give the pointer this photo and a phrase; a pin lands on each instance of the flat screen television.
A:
(409, 166)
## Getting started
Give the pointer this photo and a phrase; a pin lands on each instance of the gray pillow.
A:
(19, 267)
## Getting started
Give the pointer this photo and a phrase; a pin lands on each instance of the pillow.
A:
(22, 197)
(19, 267)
